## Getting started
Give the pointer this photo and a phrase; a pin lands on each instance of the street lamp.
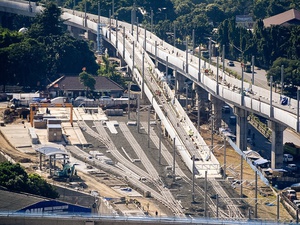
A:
(242, 84)
(282, 78)
(298, 128)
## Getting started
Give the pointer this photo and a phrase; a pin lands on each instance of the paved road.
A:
(260, 78)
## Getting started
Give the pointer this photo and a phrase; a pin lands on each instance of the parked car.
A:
(230, 63)
(226, 109)
(83, 99)
(292, 167)
(288, 158)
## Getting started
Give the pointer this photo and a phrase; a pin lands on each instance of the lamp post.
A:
(298, 129)
(242, 82)
(282, 78)
(151, 21)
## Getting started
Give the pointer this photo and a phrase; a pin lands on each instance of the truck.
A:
(23, 99)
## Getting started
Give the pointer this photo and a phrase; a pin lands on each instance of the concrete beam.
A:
(277, 144)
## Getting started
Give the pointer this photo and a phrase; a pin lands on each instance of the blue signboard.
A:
(54, 207)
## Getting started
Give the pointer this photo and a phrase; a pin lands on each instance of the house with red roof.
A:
(287, 18)
(70, 86)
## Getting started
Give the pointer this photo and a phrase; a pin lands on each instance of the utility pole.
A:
(193, 191)
(159, 143)
(174, 153)
(149, 126)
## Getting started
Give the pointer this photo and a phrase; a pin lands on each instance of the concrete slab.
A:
(17, 135)
(74, 134)
(111, 126)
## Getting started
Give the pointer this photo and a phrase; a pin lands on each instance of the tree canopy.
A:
(15, 178)
(37, 57)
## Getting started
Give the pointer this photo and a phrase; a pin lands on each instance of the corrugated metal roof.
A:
(49, 150)
(72, 83)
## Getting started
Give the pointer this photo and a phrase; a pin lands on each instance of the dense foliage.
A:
(108, 70)
(36, 57)
(15, 178)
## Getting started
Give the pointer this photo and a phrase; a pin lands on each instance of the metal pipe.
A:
(117, 35)
(298, 127)
(193, 188)
(186, 97)
(129, 85)
(209, 51)
(186, 56)
(138, 114)
(217, 87)
(199, 112)
(223, 56)
(137, 29)
(174, 35)
(109, 15)
(193, 45)
(252, 80)
(174, 154)
(242, 88)
(199, 65)
(255, 207)
(271, 96)
(149, 126)
(155, 50)
(113, 8)
(133, 65)
(132, 21)
(143, 74)
(224, 167)
(167, 68)
(282, 79)
(278, 204)
(151, 21)
(124, 44)
(241, 185)
(205, 195)
(145, 37)
(159, 143)
(217, 204)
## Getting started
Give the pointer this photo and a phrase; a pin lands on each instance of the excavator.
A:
(68, 172)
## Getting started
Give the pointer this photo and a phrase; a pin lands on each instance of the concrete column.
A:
(277, 144)
(217, 111)
(201, 95)
(179, 82)
(241, 128)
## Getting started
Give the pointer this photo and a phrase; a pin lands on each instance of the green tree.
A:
(48, 22)
(88, 81)
(15, 178)
(39, 186)
(108, 70)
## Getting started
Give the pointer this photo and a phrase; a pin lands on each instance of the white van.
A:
(59, 100)
(288, 158)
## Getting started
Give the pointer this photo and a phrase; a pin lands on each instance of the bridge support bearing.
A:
(241, 128)
(277, 144)
(217, 111)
